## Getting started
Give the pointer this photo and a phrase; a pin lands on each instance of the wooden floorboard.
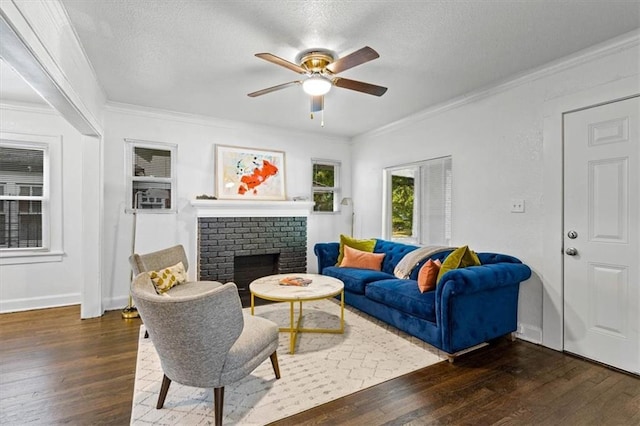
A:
(58, 369)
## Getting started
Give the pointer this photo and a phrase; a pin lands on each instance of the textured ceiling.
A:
(197, 56)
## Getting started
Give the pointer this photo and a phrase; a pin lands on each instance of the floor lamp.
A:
(130, 311)
(346, 201)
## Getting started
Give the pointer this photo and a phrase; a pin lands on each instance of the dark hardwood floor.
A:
(56, 368)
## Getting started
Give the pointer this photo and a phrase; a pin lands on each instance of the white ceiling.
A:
(197, 56)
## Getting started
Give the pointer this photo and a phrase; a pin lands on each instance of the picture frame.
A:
(249, 173)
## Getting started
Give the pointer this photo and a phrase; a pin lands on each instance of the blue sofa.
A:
(468, 307)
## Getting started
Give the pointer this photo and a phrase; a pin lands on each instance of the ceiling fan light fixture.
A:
(316, 85)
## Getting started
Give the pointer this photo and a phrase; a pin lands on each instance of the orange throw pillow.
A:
(428, 274)
(361, 259)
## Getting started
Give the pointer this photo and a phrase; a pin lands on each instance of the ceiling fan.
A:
(320, 67)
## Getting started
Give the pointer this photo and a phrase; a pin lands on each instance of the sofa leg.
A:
(451, 358)
(512, 336)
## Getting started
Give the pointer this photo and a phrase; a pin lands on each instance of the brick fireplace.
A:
(240, 241)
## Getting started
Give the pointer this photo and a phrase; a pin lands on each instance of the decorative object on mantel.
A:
(205, 197)
(249, 174)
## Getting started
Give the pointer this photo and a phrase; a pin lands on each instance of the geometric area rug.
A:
(324, 367)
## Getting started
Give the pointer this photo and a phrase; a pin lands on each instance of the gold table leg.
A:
(295, 325)
(252, 303)
(292, 331)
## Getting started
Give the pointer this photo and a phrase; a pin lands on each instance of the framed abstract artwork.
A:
(249, 174)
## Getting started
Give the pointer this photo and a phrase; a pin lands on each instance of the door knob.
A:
(571, 251)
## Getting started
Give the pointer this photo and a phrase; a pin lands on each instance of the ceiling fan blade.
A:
(317, 103)
(282, 62)
(358, 57)
(359, 86)
(273, 89)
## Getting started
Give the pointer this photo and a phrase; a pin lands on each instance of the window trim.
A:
(417, 202)
(51, 249)
(337, 191)
(130, 145)
(387, 226)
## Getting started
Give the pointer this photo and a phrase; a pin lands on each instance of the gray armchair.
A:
(161, 259)
(204, 340)
(165, 258)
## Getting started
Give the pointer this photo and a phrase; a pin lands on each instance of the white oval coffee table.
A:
(321, 287)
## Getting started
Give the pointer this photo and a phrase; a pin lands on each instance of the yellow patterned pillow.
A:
(168, 277)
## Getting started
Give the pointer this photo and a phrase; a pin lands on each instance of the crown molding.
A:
(28, 107)
(615, 45)
(207, 121)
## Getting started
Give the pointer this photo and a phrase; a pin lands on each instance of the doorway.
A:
(601, 235)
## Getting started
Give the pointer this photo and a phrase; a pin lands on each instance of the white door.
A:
(602, 233)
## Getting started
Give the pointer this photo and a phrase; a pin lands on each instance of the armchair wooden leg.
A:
(163, 391)
(218, 402)
(274, 363)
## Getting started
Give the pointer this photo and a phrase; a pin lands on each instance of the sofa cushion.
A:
(355, 280)
(428, 274)
(363, 245)
(462, 257)
(404, 296)
(354, 258)
(438, 256)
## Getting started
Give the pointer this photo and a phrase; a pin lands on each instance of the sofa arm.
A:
(481, 278)
(479, 303)
(327, 254)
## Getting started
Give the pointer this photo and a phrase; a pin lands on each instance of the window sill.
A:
(20, 257)
(150, 211)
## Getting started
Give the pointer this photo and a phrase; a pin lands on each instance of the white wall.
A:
(196, 138)
(49, 283)
(495, 139)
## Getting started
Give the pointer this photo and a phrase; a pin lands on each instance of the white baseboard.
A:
(115, 303)
(31, 303)
(529, 333)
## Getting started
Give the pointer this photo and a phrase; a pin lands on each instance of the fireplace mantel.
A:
(243, 208)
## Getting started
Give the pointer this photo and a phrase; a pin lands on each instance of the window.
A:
(403, 203)
(326, 185)
(418, 202)
(151, 175)
(23, 185)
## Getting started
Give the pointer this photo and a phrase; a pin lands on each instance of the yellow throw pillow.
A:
(428, 274)
(362, 245)
(166, 278)
(461, 257)
(354, 258)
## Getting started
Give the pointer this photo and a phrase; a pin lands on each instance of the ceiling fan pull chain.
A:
(322, 118)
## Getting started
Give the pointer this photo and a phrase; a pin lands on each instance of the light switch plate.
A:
(517, 205)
